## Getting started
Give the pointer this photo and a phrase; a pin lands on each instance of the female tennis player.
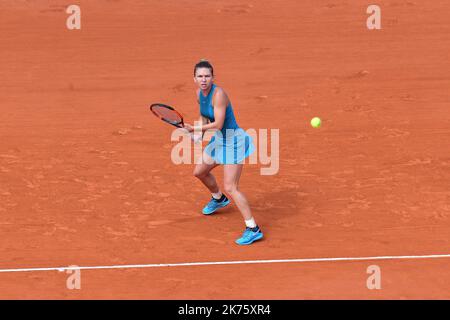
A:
(229, 146)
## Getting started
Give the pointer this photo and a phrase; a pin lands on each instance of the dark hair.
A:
(204, 64)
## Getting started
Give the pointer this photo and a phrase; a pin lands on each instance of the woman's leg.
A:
(232, 174)
(202, 171)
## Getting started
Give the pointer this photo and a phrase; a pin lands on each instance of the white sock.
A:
(217, 195)
(250, 223)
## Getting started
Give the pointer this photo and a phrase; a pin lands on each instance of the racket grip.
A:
(195, 137)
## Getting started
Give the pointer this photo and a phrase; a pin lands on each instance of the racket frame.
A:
(176, 124)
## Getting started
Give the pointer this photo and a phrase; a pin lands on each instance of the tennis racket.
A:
(169, 115)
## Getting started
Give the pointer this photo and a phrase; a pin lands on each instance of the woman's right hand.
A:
(188, 127)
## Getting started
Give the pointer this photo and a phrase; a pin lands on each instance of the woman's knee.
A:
(230, 188)
(199, 173)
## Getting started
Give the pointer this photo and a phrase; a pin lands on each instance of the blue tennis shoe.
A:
(215, 204)
(249, 236)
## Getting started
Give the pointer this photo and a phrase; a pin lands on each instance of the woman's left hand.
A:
(188, 127)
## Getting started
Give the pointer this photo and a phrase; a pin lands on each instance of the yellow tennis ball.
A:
(316, 122)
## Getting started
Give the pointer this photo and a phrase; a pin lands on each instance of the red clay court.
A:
(85, 171)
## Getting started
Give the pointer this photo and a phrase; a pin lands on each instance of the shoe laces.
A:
(248, 233)
(211, 203)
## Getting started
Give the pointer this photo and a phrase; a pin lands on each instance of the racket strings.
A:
(167, 114)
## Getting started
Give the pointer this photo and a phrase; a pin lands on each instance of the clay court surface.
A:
(86, 177)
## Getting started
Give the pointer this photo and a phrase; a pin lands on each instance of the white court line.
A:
(135, 266)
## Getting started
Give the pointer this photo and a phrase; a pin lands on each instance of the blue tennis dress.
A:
(232, 144)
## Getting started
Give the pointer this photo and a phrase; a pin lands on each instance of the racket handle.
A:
(196, 138)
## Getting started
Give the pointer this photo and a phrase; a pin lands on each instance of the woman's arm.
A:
(220, 102)
(203, 120)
